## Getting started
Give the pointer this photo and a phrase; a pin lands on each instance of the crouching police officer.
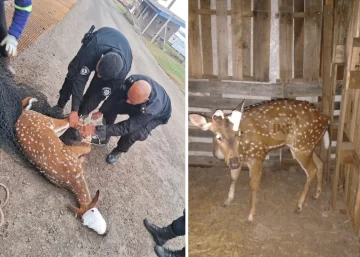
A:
(108, 53)
(146, 103)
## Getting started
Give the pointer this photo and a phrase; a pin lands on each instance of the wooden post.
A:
(194, 50)
(349, 47)
(222, 38)
(328, 97)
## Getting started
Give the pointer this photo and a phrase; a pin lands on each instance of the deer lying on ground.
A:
(38, 136)
(246, 136)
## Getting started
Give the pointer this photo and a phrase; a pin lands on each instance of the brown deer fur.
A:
(38, 136)
(265, 127)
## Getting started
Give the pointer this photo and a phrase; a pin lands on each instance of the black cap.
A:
(110, 66)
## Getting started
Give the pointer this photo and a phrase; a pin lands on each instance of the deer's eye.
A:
(218, 137)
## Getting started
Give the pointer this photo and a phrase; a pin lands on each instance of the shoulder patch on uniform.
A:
(106, 91)
(84, 70)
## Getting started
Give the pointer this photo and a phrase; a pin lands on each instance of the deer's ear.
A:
(240, 107)
(200, 121)
(94, 200)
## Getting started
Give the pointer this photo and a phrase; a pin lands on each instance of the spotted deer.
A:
(248, 134)
(38, 136)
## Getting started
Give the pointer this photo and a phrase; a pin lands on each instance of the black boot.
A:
(113, 156)
(160, 235)
(163, 252)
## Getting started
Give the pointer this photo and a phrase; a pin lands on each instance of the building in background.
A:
(152, 17)
(177, 41)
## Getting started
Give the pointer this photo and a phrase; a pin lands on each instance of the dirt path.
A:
(276, 230)
(148, 182)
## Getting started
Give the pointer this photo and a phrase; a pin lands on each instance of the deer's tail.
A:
(27, 103)
(327, 140)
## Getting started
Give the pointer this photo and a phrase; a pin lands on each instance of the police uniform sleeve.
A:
(22, 12)
(80, 73)
(124, 127)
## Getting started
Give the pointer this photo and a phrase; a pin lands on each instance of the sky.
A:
(179, 8)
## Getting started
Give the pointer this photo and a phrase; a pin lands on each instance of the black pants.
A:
(3, 28)
(178, 225)
(126, 141)
(91, 99)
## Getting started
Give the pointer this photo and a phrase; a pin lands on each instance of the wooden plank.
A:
(328, 98)
(286, 40)
(298, 40)
(222, 38)
(219, 103)
(261, 41)
(251, 89)
(339, 56)
(206, 39)
(354, 80)
(236, 28)
(312, 39)
(246, 39)
(195, 64)
(353, 16)
(357, 208)
(196, 132)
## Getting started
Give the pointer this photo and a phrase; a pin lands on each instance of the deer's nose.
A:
(234, 162)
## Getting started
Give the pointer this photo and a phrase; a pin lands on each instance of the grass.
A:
(120, 6)
(174, 69)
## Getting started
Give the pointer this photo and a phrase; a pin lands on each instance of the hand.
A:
(11, 44)
(73, 120)
(88, 130)
(96, 115)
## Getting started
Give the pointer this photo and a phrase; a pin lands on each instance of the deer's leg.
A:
(255, 177)
(60, 126)
(234, 174)
(79, 150)
(319, 166)
(307, 163)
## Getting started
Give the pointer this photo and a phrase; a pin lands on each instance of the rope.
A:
(2, 204)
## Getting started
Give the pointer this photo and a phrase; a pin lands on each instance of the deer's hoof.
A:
(226, 203)
(250, 219)
(297, 210)
(316, 195)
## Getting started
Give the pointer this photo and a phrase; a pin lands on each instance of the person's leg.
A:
(161, 235)
(125, 142)
(3, 28)
(3, 33)
(178, 225)
(92, 97)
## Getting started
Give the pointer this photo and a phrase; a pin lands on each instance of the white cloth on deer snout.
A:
(219, 113)
(94, 220)
(235, 118)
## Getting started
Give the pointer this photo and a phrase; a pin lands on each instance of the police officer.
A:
(108, 53)
(9, 39)
(147, 105)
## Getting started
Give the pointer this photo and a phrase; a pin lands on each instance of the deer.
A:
(38, 136)
(247, 135)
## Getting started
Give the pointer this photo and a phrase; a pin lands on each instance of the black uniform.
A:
(100, 42)
(143, 117)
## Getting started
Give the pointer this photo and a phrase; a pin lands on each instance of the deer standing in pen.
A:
(38, 136)
(247, 135)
